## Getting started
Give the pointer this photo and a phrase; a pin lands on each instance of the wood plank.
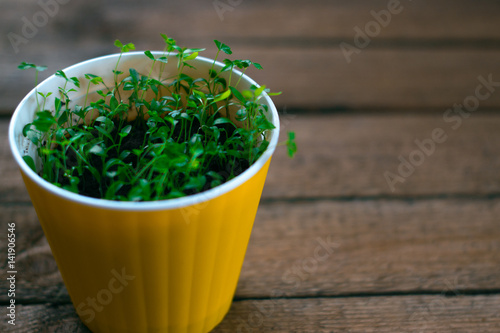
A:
(433, 313)
(324, 248)
(375, 78)
(315, 77)
(429, 55)
(376, 314)
(375, 246)
(199, 20)
(346, 155)
(12, 187)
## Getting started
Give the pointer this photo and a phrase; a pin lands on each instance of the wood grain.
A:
(324, 248)
(335, 247)
(360, 315)
(412, 314)
(347, 155)
(258, 19)
(375, 246)
(319, 78)
(428, 56)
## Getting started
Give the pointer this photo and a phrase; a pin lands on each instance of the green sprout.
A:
(182, 141)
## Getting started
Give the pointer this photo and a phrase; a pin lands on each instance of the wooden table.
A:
(387, 220)
(333, 249)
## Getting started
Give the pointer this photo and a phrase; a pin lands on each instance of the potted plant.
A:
(146, 170)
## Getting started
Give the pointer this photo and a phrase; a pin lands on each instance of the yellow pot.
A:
(164, 266)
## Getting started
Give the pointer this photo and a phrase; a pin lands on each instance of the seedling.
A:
(181, 142)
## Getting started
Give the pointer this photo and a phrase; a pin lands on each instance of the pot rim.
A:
(144, 205)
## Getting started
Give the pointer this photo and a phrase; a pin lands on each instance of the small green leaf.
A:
(223, 47)
(228, 65)
(259, 90)
(31, 163)
(73, 187)
(94, 79)
(149, 55)
(175, 194)
(75, 81)
(104, 132)
(57, 105)
(223, 96)
(134, 75)
(215, 175)
(242, 64)
(200, 93)
(44, 95)
(141, 191)
(33, 137)
(124, 154)
(222, 120)
(257, 65)
(264, 124)
(124, 48)
(191, 50)
(129, 47)
(196, 183)
(97, 150)
(162, 163)
(61, 74)
(113, 103)
(237, 94)
(163, 59)
(63, 118)
(241, 114)
(24, 65)
(112, 189)
(125, 131)
(26, 129)
(102, 119)
(291, 145)
(247, 95)
(191, 56)
(44, 121)
(76, 136)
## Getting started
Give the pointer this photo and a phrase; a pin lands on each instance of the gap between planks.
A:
(381, 315)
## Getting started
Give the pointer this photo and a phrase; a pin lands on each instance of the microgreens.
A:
(182, 141)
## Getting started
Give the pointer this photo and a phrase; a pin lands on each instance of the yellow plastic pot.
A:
(164, 266)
